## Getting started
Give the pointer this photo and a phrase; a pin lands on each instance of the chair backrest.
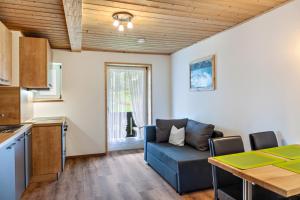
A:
(263, 140)
(224, 146)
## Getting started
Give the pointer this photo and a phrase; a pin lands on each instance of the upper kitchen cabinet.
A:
(35, 62)
(5, 55)
(10, 100)
(15, 105)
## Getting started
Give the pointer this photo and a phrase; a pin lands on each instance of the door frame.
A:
(149, 98)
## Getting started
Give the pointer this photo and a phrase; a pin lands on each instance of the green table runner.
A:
(248, 160)
(289, 151)
(293, 165)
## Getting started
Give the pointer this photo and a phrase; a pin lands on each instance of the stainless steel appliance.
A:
(28, 150)
(63, 142)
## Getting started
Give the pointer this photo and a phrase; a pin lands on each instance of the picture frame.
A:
(202, 74)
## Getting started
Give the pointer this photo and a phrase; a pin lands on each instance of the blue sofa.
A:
(185, 168)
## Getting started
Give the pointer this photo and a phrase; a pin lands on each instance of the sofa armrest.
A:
(149, 136)
(150, 133)
(217, 134)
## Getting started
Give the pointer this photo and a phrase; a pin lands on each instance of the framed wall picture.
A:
(202, 74)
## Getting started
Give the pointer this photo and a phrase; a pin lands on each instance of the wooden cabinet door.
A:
(10, 105)
(5, 55)
(35, 58)
(46, 150)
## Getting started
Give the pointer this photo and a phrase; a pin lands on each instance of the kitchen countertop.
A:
(6, 138)
(42, 121)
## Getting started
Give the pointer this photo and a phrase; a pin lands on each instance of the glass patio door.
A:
(126, 106)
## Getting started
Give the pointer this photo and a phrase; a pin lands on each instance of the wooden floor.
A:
(120, 175)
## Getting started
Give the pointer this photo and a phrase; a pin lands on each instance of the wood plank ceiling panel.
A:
(42, 18)
(166, 25)
(73, 14)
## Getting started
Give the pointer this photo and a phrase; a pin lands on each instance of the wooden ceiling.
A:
(40, 18)
(166, 25)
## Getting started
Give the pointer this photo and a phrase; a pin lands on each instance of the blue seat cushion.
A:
(173, 155)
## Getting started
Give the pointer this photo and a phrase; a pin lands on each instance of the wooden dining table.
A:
(281, 181)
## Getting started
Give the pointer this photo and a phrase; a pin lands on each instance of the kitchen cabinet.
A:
(28, 157)
(7, 172)
(48, 152)
(9, 105)
(5, 55)
(20, 166)
(15, 105)
(35, 63)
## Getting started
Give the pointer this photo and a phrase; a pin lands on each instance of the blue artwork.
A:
(202, 74)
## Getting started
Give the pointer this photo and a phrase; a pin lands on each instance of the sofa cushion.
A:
(173, 155)
(163, 128)
(197, 134)
(177, 136)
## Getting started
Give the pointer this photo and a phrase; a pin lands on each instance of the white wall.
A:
(258, 77)
(83, 94)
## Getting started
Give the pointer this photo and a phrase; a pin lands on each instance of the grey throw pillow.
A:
(163, 128)
(197, 134)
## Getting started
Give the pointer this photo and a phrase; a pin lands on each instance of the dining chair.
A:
(263, 140)
(226, 185)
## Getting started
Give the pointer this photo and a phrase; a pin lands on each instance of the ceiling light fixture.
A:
(116, 23)
(130, 25)
(121, 19)
(121, 28)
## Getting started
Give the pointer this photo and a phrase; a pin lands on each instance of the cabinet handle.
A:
(10, 147)
(21, 138)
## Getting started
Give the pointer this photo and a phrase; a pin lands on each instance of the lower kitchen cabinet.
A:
(7, 172)
(14, 167)
(20, 165)
(36, 155)
(47, 152)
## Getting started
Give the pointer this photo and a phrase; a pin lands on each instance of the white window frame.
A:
(41, 95)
